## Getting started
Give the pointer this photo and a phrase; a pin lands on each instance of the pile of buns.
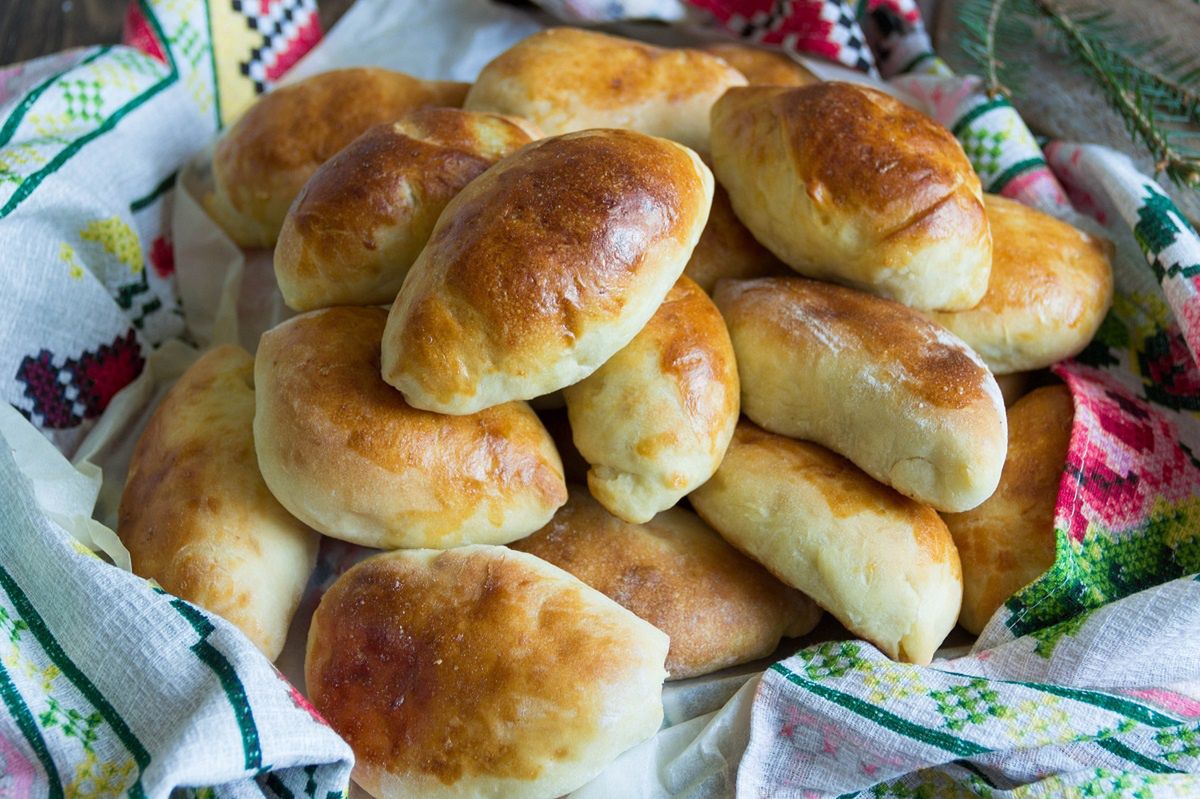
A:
(780, 392)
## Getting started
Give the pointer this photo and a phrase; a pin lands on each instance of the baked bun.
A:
(718, 607)
(568, 79)
(344, 452)
(365, 214)
(728, 250)
(480, 672)
(848, 184)
(196, 515)
(884, 565)
(655, 419)
(261, 163)
(1051, 286)
(1008, 542)
(905, 400)
(762, 67)
(544, 267)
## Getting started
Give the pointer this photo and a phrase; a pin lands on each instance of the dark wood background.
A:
(30, 28)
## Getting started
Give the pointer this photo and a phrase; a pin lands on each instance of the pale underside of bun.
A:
(898, 395)
(883, 565)
(655, 419)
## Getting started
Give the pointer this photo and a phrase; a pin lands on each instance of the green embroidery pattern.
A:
(976, 702)
(60, 678)
(79, 104)
(235, 692)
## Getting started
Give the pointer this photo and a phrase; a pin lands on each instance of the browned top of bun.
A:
(924, 356)
(690, 332)
(857, 147)
(264, 159)
(596, 198)
(196, 515)
(717, 606)
(548, 243)
(478, 662)
(328, 394)
(1024, 239)
(847, 489)
(762, 67)
(424, 158)
(632, 67)
(178, 484)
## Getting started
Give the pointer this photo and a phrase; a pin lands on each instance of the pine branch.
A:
(1130, 99)
(1156, 93)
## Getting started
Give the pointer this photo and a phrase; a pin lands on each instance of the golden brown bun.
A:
(1016, 385)
(1050, 289)
(480, 672)
(883, 565)
(261, 163)
(655, 419)
(365, 214)
(905, 400)
(567, 79)
(718, 607)
(848, 184)
(196, 515)
(344, 452)
(543, 268)
(728, 250)
(762, 67)
(1008, 542)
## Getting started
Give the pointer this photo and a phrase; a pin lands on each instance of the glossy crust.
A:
(904, 399)
(1008, 542)
(543, 268)
(655, 419)
(728, 250)
(196, 515)
(365, 214)
(762, 67)
(884, 565)
(847, 184)
(344, 452)
(1050, 288)
(261, 163)
(480, 672)
(718, 607)
(568, 79)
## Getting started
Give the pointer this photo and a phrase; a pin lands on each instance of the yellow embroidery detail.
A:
(66, 254)
(119, 239)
